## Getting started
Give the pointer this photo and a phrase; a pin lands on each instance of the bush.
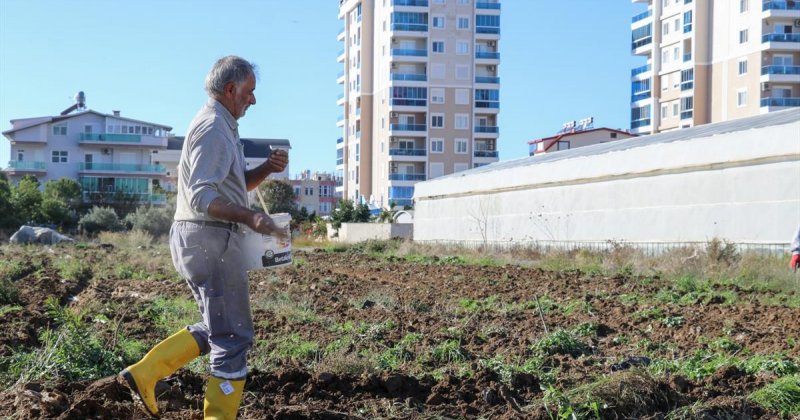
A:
(153, 220)
(100, 219)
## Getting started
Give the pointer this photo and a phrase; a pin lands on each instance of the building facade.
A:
(316, 192)
(111, 156)
(421, 94)
(713, 60)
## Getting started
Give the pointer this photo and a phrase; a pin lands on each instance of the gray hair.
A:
(230, 69)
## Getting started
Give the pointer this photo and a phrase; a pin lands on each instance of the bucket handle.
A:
(261, 199)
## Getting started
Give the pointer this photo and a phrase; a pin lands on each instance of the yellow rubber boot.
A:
(161, 361)
(223, 397)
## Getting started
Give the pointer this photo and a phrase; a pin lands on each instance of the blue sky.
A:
(561, 60)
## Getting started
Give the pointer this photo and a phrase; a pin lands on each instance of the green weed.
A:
(172, 314)
(560, 342)
(782, 396)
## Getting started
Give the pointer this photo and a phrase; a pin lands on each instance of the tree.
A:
(279, 196)
(100, 219)
(60, 200)
(26, 200)
(6, 209)
(362, 214)
(342, 214)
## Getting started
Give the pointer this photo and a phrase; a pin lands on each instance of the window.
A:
(438, 22)
(664, 111)
(462, 121)
(665, 29)
(60, 130)
(677, 24)
(462, 96)
(461, 146)
(676, 54)
(437, 121)
(60, 156)
(743, 6)
(664, 57)
(743, 36)
(296, 191)
(437, 46)
(325, 207)
(742, 66)
(741, 97)
(437, 71)
(675, 109)
(463, 1)
(462, 72)
(437, 169)
(437, 145)
(562, 145)
(437, 95)
(324, 190)
(664, 82)
(462, 47)
(463, 22)
(458, 167)
(664, 3)
(309, 191)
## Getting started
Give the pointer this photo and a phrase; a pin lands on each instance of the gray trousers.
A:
(210, 260)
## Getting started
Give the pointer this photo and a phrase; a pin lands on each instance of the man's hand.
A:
(263, 224)
(794, 264)
(277, 161)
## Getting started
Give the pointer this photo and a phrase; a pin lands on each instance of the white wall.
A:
(742, 186)
(358, 232)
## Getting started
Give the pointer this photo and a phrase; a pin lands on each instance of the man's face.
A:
(243, 97)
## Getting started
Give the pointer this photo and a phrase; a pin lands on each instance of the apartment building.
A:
(108, 154)
(713, 60)
(316, 192)
(255, 152)
(421, 93)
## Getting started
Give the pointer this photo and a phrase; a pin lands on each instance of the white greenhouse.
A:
(737, 180)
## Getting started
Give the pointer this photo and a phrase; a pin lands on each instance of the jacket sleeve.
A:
(796, 242)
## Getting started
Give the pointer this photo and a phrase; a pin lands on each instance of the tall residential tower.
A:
(713, 60)
(420, 93)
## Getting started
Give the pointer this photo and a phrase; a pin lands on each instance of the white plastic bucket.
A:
(265, 251)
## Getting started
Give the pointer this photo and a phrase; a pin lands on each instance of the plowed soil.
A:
(487, 312)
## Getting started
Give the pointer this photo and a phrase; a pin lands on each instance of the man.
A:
(205, 241)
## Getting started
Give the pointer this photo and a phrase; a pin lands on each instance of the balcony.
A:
(685, 115)
(487, 154)
(487, 104)
(687, 57)
(26, 165)
(405, 52)
(408, 127)
(639, 70)
(407, 152)
(487, 129)
(111, 138)
(340, 75)
(484, 55)
(791, 70)
(774, 37)
(641, 42)
(121, 167)
(640, 96)
(780, 102)
(339, 161)
(642, 16)
(494, 30)
(340, 121)
(415, 3)
(409, 77)
(110, 197)
(410, 27)
(406, 177)
(487, 5)
(408, 102)
(487, 79)
(780, 5)
(640, 123)
(688, 85)
(340, 140)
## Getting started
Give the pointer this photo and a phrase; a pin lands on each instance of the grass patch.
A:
(560, 342)
(172, 314)
(296, 348)
(282, 305)
(782, 396)
(71, 268)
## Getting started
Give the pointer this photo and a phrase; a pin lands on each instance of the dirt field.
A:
(355, 334)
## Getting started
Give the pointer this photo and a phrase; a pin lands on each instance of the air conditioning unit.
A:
(491, 68)
(394, 115)
(492, 43)
(106, 151)
(394, 65)
(764, 86)
(797, 23)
